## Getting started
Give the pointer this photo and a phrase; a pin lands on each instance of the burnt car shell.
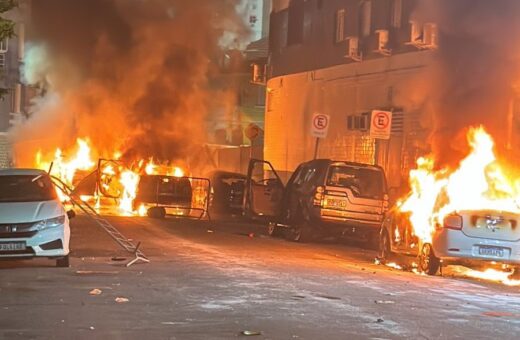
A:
(164, 191)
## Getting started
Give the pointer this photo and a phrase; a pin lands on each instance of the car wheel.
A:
(301, 232)
(156, 212)
(428, 262)
(273, 230)
(384, 252)
(63, 262)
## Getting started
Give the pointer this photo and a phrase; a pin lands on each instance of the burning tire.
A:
(428, 262)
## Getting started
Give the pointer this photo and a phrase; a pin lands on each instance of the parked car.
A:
(33, 222)
(227, 191)
(160, 193)
(465, 237)
(322, 197)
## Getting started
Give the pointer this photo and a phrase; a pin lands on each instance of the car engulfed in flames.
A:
(467, 215)
(113, 186)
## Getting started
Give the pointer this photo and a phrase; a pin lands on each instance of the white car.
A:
(33, 222)
(464, 237)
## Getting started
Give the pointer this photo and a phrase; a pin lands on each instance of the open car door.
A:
(264, 190)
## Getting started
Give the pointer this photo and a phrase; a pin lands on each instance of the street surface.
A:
(216, 280)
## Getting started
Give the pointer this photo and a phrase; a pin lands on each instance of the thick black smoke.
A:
(476, 68)
(131, 75)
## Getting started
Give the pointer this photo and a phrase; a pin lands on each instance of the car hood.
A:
(24, 212)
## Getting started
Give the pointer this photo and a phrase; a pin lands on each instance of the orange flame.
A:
(479, 183)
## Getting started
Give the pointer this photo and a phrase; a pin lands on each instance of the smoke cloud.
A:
(475, 70)
(131, 75)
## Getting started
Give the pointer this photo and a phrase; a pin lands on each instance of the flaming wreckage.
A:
(467, 215)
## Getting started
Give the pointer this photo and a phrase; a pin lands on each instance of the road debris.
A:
(384, 302)
(121, 300)
(380, 320)
(250, 333)
(95, 291)
(118, 258)
(96, 272)
(210, 231)
(497, 314)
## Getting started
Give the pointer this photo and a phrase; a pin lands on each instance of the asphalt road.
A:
(215, 280)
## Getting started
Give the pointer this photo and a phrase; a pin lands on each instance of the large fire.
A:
(479, 183)
(115, 180)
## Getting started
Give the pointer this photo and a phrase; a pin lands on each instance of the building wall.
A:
(341, 91)
(311, 70)
(303, 34)
(13, 105)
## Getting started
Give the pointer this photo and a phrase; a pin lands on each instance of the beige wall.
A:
(338, 91)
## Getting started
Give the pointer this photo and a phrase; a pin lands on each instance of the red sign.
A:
(320, 125)
(381, 124)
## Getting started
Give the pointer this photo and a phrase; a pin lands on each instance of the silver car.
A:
(464, 237)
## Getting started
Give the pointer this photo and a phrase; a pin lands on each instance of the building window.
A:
(365, 19)
(340, 25)
(397, 13)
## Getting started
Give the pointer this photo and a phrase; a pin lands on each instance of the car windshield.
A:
(26, 188)
(364, 182)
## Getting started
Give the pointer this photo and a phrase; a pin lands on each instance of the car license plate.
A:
(491, 251)
(12, 246)
(334, 203)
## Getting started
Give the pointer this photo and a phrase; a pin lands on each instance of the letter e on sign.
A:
(320, 125)
(381, 124)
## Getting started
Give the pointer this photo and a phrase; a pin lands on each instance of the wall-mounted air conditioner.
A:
(423, 36)
(383, 38)
(353, 52)
(430, 35)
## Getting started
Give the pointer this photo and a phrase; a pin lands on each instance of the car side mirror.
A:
(71, 214)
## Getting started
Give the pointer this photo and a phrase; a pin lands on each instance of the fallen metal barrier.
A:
(115, 234)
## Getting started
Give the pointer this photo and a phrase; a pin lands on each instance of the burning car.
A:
(464, 237)
(466, 214)
(33, 221)
(160, 194)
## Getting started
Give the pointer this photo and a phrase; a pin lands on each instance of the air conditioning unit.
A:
(383, 37)
(358, 122)
(423, 36)
(353, 52)
(430, 36)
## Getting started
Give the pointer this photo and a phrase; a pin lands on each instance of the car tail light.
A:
(318, 196)
(453, 222)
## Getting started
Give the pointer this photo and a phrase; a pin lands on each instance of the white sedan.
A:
(33, 221)
(464, 237)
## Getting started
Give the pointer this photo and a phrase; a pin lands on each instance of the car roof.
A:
(21, 172)
(343, 163)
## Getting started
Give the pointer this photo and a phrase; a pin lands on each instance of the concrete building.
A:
(344, 58)
(13, 104)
